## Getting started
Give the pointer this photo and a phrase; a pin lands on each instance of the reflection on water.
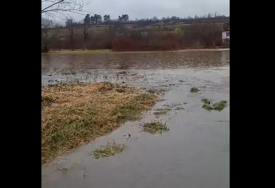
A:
(193, 154)
(225, 56)
(155, 60)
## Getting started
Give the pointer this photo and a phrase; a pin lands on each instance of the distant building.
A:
(226, 36)
(226, 33)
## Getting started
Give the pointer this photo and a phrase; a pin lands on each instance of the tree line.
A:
(97, 19)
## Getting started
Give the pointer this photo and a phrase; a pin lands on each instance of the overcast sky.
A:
(159, 8)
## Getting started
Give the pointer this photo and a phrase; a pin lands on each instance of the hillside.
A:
(179, 33)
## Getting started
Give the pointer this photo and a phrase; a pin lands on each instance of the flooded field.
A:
(194, 153)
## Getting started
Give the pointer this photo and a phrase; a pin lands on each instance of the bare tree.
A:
(87, 21)
(55, 6)
(124, 17)
(96, 19)
(70, 27)
(107, 18)
(46, 24)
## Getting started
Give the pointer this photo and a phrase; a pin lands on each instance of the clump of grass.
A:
(155, 127)
(46, 100)
(160, 112)
(62, 169)
(68, 73)
(156, 91)
(173, 105)
(206, 101)
(107, 86)
(110, 149)
(194, 90)
(151, 91)
(218, 106)
(120, 90)
(207, 107)
(179, 108)
(122, 72)
(83, 112)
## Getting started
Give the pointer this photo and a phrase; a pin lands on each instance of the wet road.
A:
(193, 154)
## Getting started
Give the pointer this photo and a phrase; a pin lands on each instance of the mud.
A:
(194, 153)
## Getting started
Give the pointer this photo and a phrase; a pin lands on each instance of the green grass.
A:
(194, 90)
(155, 127)
(218, 106)
(62, 169)
(206, 101)
(110, 149)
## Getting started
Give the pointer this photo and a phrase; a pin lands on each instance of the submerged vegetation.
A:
(79, 113)
(209, 105)
(155, 127)
(160, 112)
(194, 90)
(110, 149)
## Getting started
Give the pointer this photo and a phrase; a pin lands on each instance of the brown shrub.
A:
(168, 42)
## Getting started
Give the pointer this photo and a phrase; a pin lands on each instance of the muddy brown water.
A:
(193, 154)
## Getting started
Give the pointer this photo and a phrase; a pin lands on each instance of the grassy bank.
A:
(79, 52)
(75, 114)
(64, 51)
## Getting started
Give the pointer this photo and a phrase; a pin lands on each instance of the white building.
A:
(226, 36)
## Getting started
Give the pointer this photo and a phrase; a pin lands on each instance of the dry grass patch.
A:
(46, 100)
(83, 112)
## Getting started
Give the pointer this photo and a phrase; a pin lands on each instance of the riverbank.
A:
(64, 51)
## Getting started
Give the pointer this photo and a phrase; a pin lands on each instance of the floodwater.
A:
(193, 154)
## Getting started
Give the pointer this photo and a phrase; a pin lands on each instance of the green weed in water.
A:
(155, 127)
(62, 169)
(160, 112)
(218, 106)
(110, 149)
(194, 90)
